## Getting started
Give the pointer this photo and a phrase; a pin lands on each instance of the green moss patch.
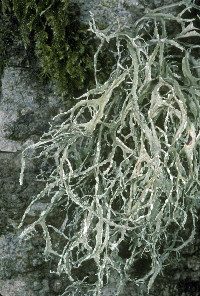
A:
(63, 46)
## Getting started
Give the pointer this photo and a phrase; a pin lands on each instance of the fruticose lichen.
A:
(123, 163)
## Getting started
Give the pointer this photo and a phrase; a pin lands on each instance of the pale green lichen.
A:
(125, 159)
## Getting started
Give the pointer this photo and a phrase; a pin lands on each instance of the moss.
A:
(63, 46)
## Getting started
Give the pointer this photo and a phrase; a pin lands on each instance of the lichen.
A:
(125, 159)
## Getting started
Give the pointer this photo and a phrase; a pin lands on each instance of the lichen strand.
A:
(63, 46)
(125, 169)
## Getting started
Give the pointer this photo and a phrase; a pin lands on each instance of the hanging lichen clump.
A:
(123, 163)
